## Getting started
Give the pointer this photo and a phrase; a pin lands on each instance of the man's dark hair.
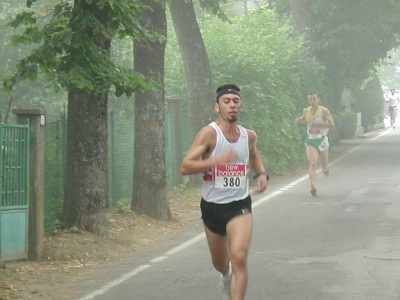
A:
(228, 86)
(314, 93)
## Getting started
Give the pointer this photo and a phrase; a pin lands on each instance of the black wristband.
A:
(261, 173)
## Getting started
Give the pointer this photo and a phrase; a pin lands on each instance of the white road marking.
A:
(186, 244)
(116, 282)
(157, 259)
(139, 269)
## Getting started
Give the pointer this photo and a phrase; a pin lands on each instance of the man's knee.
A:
(221, 265)
(239, 259)
(313, 164)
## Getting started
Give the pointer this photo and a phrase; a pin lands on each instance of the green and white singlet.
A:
(316, 135)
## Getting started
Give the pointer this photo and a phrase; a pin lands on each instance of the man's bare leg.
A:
(323, 156)
(394, 118)
(219, 250)
(312, 155)
(239, 231)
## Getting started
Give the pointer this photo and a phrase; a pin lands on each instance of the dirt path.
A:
(69, 257)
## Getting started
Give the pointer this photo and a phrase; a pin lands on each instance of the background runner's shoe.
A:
(313, 190)
(326, 172)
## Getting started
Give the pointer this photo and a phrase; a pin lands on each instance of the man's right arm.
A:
(194, 161)
(302, 118)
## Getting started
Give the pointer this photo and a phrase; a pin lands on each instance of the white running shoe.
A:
(225, 280)
(225, 286)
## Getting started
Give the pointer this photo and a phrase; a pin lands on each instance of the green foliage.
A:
(53, 175)
(121, 55)
(334, 133)
(282, 7)
(258, 53)
(351, 37)
(74, 229)
(349, 125)
(370, 102)
(390, 70)
(175, 85)
(123, 207)
(72, 50)
(214, 6)
(37, 95)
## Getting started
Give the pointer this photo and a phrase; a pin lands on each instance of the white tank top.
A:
(228, 182)
(393, 100)
(315, 131)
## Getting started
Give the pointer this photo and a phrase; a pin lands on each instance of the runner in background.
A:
(318, 120)
(393, 100)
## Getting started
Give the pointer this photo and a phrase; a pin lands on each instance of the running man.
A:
(318, 120)
(224, 152)
(393, 100)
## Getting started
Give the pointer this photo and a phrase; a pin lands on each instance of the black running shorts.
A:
(216, 216)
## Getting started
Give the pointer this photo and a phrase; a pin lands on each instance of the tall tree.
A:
(370, 102)
(196, 64)
(73, 53)
(301, 19)
(149, 177)
(351, 37)
(390, 71)
(86, 175)
(27, 94)
(197, 67)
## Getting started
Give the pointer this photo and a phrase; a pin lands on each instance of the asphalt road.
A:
(343, 244)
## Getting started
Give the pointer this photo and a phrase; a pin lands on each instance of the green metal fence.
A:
(120, 160)
(14, 191)
(54, 167)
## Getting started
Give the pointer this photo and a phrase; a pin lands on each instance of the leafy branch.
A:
(73, 49)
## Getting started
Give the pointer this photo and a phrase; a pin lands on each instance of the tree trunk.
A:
(197, 69)
(86, 176)
(301, 19)
(149, 177)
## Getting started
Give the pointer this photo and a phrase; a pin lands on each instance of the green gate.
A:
(14, 191)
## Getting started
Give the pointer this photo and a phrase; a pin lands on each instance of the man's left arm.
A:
(256, 163)
(330, 123)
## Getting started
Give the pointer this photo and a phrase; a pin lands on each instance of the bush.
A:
(258, 53)
(370, 102)
(334, 133)
(349, 125)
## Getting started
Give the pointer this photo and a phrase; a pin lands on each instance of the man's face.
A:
(229, 106)
(313, 99)
(392, 91)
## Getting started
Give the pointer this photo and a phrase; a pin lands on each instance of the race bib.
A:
(230, 176)
(314, 134)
